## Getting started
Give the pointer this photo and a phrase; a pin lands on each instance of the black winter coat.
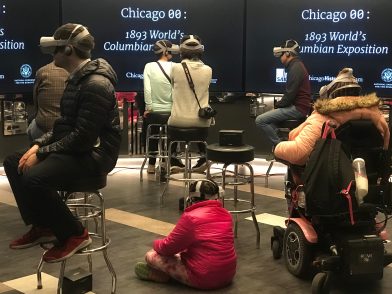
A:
(89, 122)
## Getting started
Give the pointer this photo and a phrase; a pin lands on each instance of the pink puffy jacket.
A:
(340, 110)
(204, 237)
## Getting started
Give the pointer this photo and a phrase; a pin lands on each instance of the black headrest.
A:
(360, 134)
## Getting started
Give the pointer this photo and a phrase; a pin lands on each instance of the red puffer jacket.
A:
(204, 237)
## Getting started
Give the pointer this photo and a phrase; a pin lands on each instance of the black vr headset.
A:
(204, 190)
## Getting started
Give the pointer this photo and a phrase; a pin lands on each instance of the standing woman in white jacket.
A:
(185, 108)
(158, 91)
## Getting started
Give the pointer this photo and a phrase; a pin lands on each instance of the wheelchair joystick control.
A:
(361, 180)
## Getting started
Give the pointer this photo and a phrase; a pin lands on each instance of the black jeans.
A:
(35, 191)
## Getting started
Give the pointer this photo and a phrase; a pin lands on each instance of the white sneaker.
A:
(151, 169)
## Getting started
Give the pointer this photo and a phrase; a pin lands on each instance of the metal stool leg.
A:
(161, 152)
(237, 181)
(61, 277)
(267, 174)
(104, 242)
(39, 272)
(252, 191)
(168, 166)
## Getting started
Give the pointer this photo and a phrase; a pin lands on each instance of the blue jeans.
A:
(268, 121)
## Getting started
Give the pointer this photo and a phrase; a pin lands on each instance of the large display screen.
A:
(22, 23)
(332, 33)
(125, 31)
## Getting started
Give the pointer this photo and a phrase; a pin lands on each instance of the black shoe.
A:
(176, 166)
(200, 166)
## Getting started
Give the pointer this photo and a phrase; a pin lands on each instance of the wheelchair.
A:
(334, 246)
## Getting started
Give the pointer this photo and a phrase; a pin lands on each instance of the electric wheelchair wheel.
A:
(321, 284)
(297, 251)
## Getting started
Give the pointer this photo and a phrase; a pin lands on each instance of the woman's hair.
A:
(345, 84)
(203, 190)
(83, 46)
(191, 47)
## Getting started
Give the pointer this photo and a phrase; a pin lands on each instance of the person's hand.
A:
(145, 114)
(32, 151)
(31, 161)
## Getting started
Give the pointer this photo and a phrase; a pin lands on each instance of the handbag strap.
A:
(190, 81)
(166, 75)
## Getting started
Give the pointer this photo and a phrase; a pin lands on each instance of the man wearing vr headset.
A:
(158, 93)
(295, 103)
(339, 102)
(84, 143)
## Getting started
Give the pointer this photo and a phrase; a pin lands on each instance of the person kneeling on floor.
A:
(199, 252)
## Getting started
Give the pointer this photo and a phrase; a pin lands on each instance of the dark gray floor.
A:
(257, 271)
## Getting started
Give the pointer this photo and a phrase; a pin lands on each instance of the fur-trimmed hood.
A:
(345, 103)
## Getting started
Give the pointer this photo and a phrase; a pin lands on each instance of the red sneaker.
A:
(69, 248)
(35, 236)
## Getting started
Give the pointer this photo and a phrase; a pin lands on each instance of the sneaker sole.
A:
(42, 240)
(81, 246)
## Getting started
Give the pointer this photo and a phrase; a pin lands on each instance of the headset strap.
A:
(166, 75)
(190, 81)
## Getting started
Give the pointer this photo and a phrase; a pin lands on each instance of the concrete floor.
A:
(127, 201)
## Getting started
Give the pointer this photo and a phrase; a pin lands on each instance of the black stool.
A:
(238, 155)
(184, 137)
(84, 209)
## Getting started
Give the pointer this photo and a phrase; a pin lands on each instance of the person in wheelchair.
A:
(329, 231)
(339, 102)
(199, 252)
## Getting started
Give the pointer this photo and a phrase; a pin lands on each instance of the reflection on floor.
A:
(135, 218)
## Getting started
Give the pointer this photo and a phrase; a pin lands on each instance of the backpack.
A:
(328, 176)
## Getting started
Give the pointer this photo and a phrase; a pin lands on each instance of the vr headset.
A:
(346, 77)
(174, 49)
(204, 190)
(279, 51)
(185, 46)
(48, 44)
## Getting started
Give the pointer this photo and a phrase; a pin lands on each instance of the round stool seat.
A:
(85, 184)
(230, 154)
(187, 134)
(290, 123)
